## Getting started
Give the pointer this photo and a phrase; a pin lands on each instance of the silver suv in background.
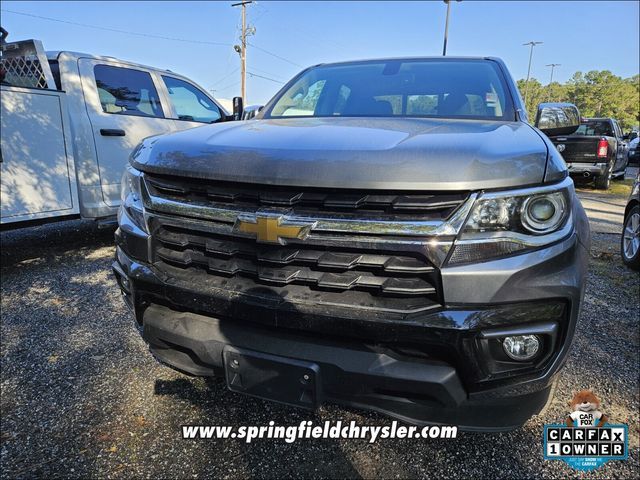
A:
(388, 234)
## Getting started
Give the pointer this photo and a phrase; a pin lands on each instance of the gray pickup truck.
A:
(387, 234)
(596, 151)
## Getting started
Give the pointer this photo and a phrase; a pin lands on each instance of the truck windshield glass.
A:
(471, 89)
(595, 129)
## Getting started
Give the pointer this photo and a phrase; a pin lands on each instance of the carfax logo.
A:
(586, 441)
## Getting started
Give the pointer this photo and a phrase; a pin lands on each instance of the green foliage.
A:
(311, 97)
(422, 104)
(598, 93)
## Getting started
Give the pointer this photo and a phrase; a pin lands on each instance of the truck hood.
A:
(363, 153)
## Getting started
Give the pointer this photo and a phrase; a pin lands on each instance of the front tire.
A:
(630, 243)
(603, 181)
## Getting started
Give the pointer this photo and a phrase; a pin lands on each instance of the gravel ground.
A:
(81, 396)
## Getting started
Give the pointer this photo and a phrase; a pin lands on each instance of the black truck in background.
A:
(598, 150)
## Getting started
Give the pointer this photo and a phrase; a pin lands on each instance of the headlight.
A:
(543, 213)
(131, 197)
(504, 223)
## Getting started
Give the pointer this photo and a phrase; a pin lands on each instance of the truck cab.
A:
(92, 110)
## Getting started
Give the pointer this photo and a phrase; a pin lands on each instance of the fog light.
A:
(521, 347)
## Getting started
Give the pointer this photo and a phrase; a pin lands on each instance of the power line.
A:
(226, 76)
(262, 11)
(274, 55)
(266, 78)
(126, 32)
(222, 89)
(323, 41)
(151, 35)
(264, 72)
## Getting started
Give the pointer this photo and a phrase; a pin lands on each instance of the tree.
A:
(556, 92)
(598, 93)
(535, 95)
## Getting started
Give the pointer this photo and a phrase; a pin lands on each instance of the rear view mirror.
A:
(237, 108)
(557, 118)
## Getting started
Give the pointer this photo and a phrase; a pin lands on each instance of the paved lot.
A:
(81, 396)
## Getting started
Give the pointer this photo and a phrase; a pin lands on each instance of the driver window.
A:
(191, 103)
(125, 91)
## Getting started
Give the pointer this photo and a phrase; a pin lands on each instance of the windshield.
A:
(472, 89)
(595, 129)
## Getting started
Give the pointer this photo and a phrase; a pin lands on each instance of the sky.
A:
(291, 35)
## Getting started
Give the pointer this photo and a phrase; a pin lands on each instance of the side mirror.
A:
(238, 108)
(557, 118)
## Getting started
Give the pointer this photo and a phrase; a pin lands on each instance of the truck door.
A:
(189, 105)
(124, 107)
(621, 148)
(36, 171)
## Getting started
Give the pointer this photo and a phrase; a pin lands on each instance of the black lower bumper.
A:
(413, 391)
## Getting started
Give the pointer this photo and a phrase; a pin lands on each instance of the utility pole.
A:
(242, 48)
(552, 65)
(526, 87)
(446, 27)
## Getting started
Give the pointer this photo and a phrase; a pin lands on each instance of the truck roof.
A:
(69, 56)
(432, 57)
(55, 54)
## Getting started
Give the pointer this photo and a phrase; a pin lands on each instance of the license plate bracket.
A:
(271, 377)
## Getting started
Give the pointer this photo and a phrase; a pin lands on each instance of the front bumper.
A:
(436, 367)
(587, 169)
(416, 391)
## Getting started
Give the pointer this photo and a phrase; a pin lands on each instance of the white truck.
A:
(69, 122)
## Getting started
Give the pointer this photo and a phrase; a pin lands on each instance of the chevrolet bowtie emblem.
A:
(272, 228)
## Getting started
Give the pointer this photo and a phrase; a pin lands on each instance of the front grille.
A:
(308, 200)
(384, 280)
(359, 253)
